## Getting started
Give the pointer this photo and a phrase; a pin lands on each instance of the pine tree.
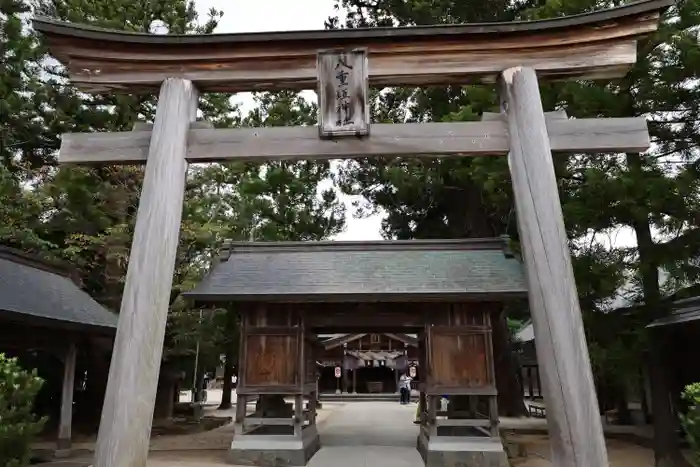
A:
(92, 210)
(26, 144)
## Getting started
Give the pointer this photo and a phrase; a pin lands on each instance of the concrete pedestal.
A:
(460, 451)
(274, 450)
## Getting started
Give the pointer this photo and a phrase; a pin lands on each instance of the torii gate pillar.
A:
(572, 406)
(125, 427)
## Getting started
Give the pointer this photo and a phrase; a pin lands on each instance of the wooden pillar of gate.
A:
(127, 414)
(277, 362)
(572, 406)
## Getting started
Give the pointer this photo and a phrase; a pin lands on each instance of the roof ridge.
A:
(687, 302)
(48, 25)
(489, 243)
(35, 261)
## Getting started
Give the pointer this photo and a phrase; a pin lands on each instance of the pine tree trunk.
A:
(98, 368)
(667, 451)
(231, 354)
(197, 392)
(228, 376)
(510, 395)
(624, 416)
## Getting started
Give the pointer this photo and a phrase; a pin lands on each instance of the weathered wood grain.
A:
(572, 408)
(298, 415)
(310, 364)
(426, 67)
(125, 426)
(597, 45)
(303, 143)
(459, 361)
(498, 116)
(199, 125)
(272, 360)
(460, 316)
(66, 420)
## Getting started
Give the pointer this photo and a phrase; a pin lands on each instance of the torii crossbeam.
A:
(592, 46)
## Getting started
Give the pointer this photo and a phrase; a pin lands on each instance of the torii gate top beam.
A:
(594, 45)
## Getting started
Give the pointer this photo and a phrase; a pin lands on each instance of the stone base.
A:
(63, 444)
(461, 451)
(274, 450)
(164, 422)
(67, 463)
(63, 453)
(363, 397)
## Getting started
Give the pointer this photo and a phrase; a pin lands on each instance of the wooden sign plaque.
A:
(343, 90)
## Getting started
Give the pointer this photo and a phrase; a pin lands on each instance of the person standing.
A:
(402, 388)
(408, 389)
(405, 389)
(205, 386)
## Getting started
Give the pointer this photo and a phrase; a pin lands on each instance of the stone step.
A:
(331, 397)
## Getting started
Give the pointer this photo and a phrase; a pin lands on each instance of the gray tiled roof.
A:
(308, 271)
(32, 289)
(685, 311)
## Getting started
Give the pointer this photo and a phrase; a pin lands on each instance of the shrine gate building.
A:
(370, 363)
(442, 291)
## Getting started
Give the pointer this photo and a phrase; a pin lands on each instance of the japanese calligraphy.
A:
(343, 108)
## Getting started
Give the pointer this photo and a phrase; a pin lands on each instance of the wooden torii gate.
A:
(593, 46)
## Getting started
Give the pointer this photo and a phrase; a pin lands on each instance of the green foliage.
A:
(514, 326)
(82, 215)
(91, 211)
(25, 139)
(445, 198)
(18, 424)
(691, 420)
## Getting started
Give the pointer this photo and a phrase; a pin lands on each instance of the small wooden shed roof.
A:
(364, 271)
(39, 293)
